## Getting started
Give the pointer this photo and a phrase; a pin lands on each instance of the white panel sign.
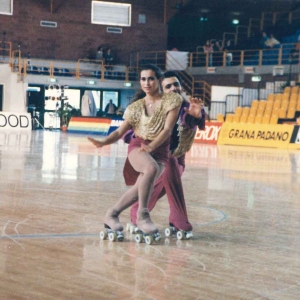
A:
(177, 60)
(15, 121)
(219, 93)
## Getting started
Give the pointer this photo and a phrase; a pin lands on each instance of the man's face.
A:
(171, 85)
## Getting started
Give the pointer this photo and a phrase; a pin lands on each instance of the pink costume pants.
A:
(170, 183)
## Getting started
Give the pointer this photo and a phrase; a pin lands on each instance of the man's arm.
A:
(194, 115)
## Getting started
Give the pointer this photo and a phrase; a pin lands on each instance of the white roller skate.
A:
(180, 234)
(146, 231)
(131, 228)
(112, 235)
(148, 238)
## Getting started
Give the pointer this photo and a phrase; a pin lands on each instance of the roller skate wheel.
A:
(112, 236)
(128, 225)
(132, 229)
(120, 236)
(103, 235)
(149, 239)
(157, 237)
(138, 238)
(168, 232)
(180, 235)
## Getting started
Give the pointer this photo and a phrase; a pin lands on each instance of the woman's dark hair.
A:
(158, 74)
(155, 69)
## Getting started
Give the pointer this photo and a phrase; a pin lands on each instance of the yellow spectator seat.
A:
(293, 97)
(236, 119)
(284, 104)
(260, 111)
(278, 97)
(271, 97)
(251, 119)
(291, 114)
(252, 111)
(238, 111)
(285, 97)
(287, 90)
(262, 104)
(254, 104)
(266, 119)
(268, 112)
(292, 104)
(229, 118)
(269, 104)
(246, 111)
(275, 112)
(243, 119)
(282, 113)
(274, 119)
(258, 119)
(298, 105)
(220, 118)
(295, 90)
(277, 104)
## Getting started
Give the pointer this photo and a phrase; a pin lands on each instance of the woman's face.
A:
(149, 82)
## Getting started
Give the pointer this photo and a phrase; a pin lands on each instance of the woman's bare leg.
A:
(127, 199)
(144, 163)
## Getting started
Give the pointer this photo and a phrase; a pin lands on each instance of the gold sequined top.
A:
(148, 127)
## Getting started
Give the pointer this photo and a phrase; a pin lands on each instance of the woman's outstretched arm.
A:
(113, 137)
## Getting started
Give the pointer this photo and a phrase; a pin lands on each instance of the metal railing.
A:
(256, 57)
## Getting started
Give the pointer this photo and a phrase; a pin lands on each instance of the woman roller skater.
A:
(152, 119)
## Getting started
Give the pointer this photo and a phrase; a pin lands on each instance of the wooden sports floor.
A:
(244, 204)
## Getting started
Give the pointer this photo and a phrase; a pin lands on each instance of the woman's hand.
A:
(146, 148)
(98, 144)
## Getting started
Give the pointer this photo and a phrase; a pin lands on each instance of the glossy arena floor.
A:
(244, 204)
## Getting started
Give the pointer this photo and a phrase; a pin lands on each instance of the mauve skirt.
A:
(160, 154)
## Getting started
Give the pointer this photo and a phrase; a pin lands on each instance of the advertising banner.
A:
(295, 139)
(90, 125)
(15, 121)
(210, 134)
(261, 135)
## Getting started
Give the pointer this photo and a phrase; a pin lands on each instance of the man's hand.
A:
(195, 108)
(98, 144)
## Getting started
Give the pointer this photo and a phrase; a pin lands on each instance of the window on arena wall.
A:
(109, 13)
(6, 7)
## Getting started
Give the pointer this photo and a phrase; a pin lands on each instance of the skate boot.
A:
(113, 228)
(147, 232)
(180, 234)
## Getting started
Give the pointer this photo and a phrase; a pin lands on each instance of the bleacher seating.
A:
(277, 106)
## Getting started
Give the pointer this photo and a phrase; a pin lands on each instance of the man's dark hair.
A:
(169, 74)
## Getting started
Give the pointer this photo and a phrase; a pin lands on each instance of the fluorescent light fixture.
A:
(33, 89)
(91, 82)
(256, 78)
(235, 21)
(52, 80)
(127, 83)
